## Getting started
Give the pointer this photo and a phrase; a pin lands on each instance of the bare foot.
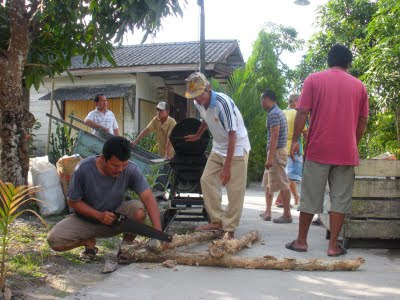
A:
(210, 226)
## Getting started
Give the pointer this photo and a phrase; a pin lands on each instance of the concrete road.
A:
(378, 278)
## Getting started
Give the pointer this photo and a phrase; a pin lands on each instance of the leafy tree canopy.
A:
(61, 29)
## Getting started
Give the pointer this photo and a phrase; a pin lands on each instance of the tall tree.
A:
(266, 64)
(39, 37)
(383, 74)
(339, 21)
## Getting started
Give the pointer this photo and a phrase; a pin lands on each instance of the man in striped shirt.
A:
(275, 178)
(227, 163)
(101, 118)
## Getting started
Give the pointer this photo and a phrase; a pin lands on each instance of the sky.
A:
(236, 19)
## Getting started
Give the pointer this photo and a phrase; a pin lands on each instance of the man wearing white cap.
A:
(162, 124)
(227, 163)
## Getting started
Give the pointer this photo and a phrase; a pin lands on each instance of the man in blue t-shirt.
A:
(95, 195)
(275, 178)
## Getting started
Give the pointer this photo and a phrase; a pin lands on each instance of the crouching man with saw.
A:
(95, 195)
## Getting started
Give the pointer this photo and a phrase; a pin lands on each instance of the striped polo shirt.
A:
(277, 117)
(106, 119)
(223, 116)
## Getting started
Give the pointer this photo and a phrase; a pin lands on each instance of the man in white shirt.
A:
(101, 118)
(227, 163)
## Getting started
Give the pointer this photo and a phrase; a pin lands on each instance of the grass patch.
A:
(28, 265)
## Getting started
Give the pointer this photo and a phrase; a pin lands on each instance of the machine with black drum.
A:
(185, 201)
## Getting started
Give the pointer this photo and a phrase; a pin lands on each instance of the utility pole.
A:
(202, 37)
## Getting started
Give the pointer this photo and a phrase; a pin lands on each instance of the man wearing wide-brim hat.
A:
(227, 163)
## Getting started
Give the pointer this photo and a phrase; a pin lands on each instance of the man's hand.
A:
(269, 162)
(191, 137)
(107, 217)
(134, 143)
(226, 174)
(294, 149)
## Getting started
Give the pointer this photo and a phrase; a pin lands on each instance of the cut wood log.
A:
(130, 254)
(221, 247)
(185, 240)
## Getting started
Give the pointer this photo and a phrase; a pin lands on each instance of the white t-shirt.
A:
(222, 116)
(106, 119)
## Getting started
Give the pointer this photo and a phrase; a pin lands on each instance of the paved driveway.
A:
(378, 278)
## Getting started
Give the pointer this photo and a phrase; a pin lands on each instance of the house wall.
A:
(39, 108)
(146, 88)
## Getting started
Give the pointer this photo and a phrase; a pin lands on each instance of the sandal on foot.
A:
(282, 220)
(265, 217)
(89, 254)
(341, 252)
(291, 246)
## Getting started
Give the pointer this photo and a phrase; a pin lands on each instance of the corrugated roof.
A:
(89, 92)
(166, 53)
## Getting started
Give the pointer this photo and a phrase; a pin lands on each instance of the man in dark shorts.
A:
(95, 195)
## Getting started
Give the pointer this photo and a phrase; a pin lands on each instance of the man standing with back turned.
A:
(338, 104)
(227, 163)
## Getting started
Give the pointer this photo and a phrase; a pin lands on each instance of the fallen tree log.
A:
(129, 254)
(221, 247)
(184, 240)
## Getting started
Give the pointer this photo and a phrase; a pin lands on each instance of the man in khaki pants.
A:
(227, 163)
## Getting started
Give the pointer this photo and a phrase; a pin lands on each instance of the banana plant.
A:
(12, 201)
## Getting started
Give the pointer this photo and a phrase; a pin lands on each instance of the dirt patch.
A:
(38, 272)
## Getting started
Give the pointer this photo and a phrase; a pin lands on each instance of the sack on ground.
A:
(65, 167)
(44, 174)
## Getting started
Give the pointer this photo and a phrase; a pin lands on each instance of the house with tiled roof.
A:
(142, 76)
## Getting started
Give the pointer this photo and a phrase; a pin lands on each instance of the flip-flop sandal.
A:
(342, 252)
(283, 220)
(265, 217)
(291, 246)
(89, 254)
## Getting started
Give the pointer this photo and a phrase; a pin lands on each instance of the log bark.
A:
(185, 240)
(227, 261)
(221, 247)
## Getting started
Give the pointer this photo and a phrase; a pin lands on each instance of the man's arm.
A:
(226, 169)
(143, 134)
(299, 124)
(94, 125)
(83, 209)
(361, 128)
(273, 143)
(116, 131)
(151, 206)
(194, 137)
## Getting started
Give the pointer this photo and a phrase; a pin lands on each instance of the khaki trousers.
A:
(212, 189)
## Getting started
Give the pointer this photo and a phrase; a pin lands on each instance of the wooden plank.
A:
(378, 167)
(376, 188)
(372, 229)
(366, 208)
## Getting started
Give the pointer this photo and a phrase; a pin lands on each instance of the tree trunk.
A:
(14, 119)
(227, 261)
